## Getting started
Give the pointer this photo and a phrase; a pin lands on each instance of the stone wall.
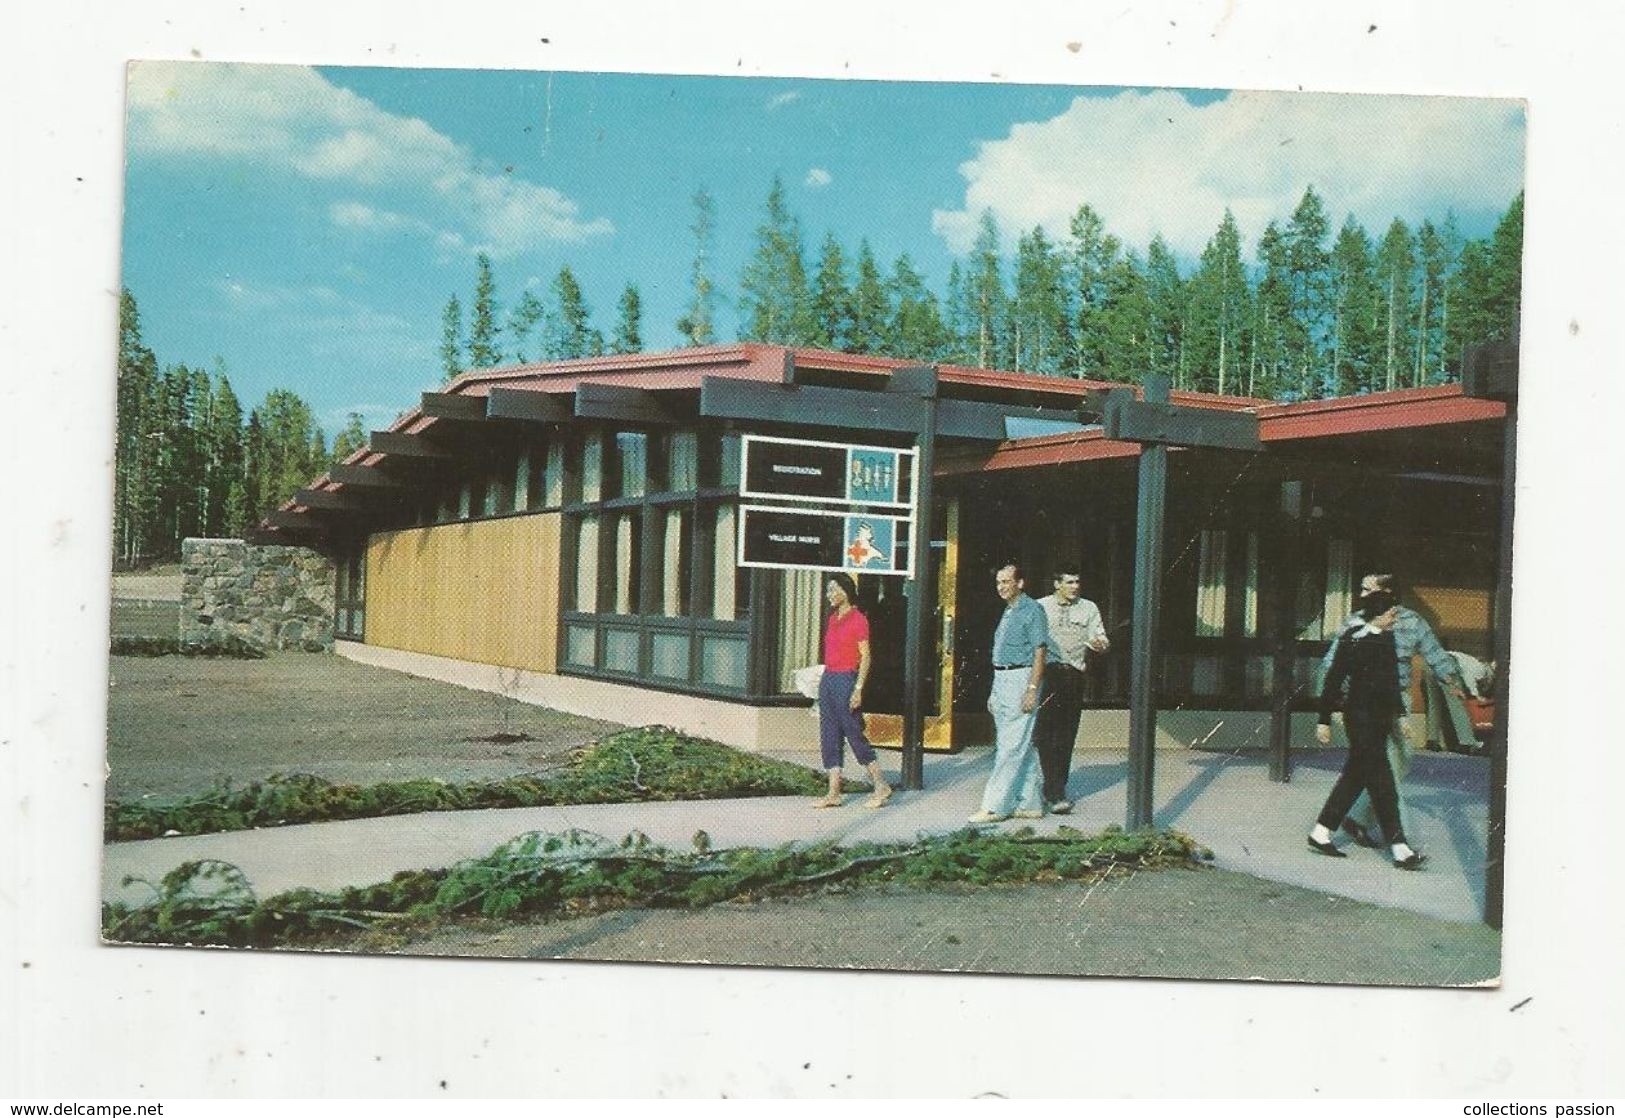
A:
(272, 597)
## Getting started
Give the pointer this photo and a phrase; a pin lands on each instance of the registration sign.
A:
(827, 473)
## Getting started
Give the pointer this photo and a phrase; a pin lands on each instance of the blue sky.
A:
(306, 226)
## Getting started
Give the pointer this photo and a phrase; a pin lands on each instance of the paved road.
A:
(1225, 801)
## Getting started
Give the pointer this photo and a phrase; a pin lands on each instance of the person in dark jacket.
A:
(1366, 666)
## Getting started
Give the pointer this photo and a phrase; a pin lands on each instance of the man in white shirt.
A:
(1075, 628)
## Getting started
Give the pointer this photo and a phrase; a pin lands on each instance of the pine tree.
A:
(1430, 285)
(283, 451)
(985, 292)
(831, 300)
(697, 326)
(1506, 264)
(1401, 326)
(133, 459)
(527, 315)
(570, 331)
(629, 325)
(1165, 306)
(916, 330)
(957, 320)
(452, 344)
(484, 330)
(1219, 312)
(1091, 256)
(1308, 263)
(224, 478)
(1356, 311)
(871, 310)
(774, 296)
(1040, 323)
(349, 440)
(1274, 327)
(1126, 322)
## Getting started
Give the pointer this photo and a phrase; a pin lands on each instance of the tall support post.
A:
(1491, 372)
(1283, 602)
(1142, 720)
(1495, 852)
(923, 384)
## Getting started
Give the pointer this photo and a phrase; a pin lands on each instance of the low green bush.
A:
(649, 763)
(541, 875)
(230, 647)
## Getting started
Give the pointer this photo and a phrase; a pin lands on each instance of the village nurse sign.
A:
(854, 506)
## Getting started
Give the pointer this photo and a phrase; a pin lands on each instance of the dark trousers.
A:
(1057, 727)
(1366, 770)
(837, 720)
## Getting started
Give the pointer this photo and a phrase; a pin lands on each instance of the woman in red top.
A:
(840, 691)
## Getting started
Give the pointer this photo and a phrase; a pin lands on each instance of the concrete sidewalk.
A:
(1224, 801)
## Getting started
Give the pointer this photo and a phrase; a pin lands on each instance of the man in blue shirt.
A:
(1021, 646)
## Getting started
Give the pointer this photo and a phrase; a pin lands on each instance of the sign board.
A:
(827, 473)
(825, 540)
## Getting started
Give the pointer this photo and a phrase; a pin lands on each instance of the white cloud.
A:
(778, 101)
(292, 117)
(818, 177)
(1152, 162)
(359, 215)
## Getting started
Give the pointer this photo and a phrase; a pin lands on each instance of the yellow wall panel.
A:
(485, 591)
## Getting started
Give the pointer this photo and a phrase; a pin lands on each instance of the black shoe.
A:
(1414, 862)
(1360, 835)
(1325, 848)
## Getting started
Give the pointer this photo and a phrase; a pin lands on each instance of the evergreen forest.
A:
(1310, 312)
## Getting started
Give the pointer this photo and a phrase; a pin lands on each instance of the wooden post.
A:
(1142, 719)
(1284, 626)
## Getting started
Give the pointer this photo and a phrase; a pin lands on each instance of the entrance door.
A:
(883, 601)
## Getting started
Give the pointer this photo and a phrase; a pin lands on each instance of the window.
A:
(1325, 596)
(592, 467)
(1210, 584)
(624, 544)
(657, 591)
(350, 596)
(521, 481)
(724, 568)
(632, 464)
(683, 463)
(672, 538)
(587, 565)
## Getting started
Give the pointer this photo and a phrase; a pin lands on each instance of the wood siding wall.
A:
(485, 591)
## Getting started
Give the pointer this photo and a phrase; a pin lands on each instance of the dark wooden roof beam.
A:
(619, 404)
(333, 501)
(451, 405)
(406, 445)
(364, 477)
(524, 406)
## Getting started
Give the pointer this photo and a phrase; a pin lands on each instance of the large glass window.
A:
(587, 564)
(1326, 595)
(657, 589)
(624, 547)
(672, 537)
(1210, 584)
(724, 563)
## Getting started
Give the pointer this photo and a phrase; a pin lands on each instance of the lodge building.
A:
(567, 533)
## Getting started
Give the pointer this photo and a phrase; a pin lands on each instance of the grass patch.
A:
(542, 876)
(650, 763)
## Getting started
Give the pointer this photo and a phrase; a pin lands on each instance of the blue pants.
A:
(1013, 785)
(837, 720)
